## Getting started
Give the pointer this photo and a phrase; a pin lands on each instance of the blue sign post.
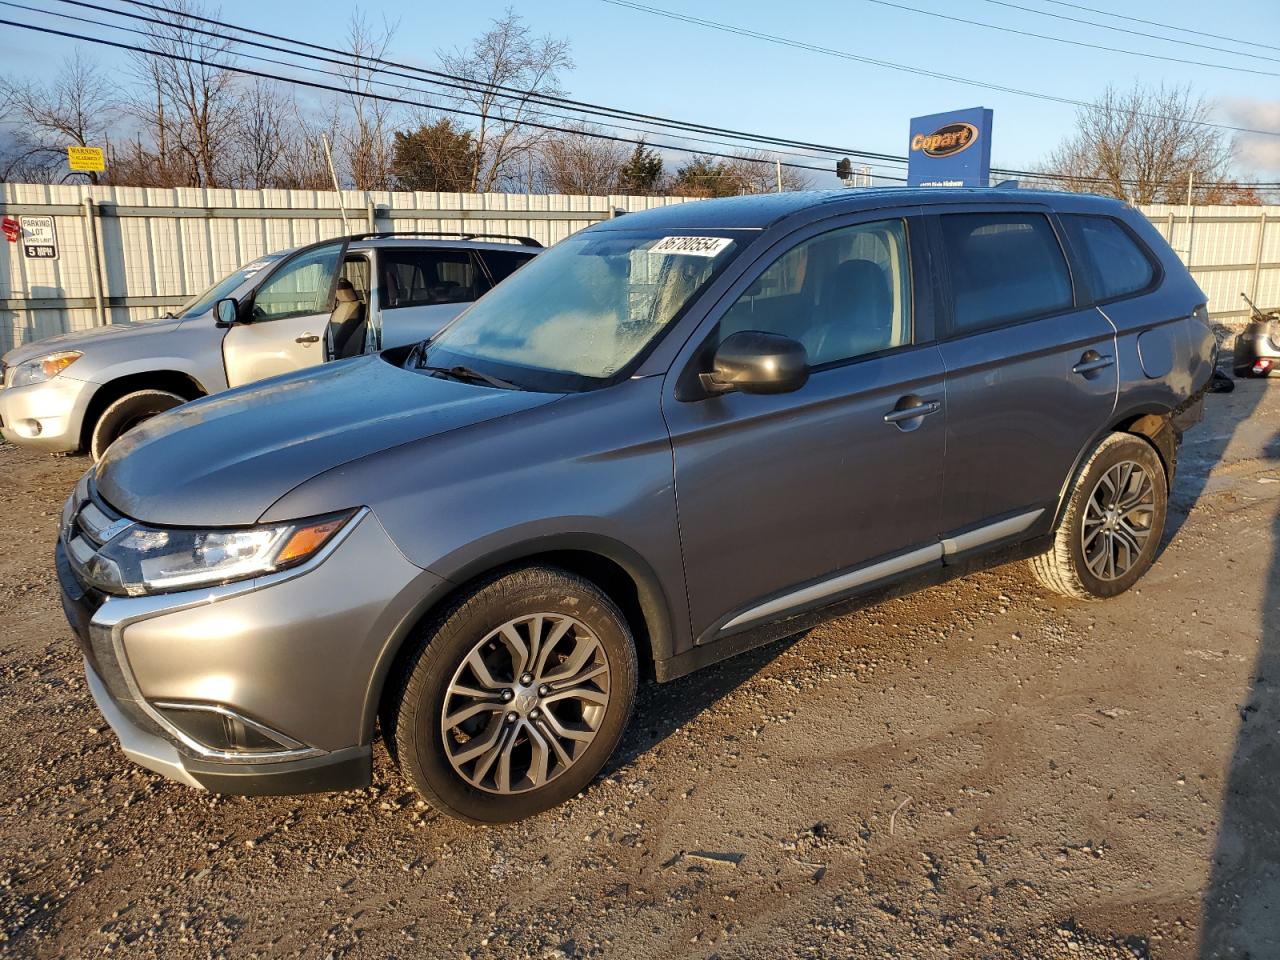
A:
(951, 149)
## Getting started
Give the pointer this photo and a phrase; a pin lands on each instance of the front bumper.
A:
(300, 654)
(48, 416)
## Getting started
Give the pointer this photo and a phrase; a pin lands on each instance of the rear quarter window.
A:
(1004, 267)
(1114, 262)
(502, 264)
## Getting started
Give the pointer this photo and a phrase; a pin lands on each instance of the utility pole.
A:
(328, 155)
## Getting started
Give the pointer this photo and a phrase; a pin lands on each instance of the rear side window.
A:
(1113, 261)
(1004, 267)
(502, 264)
(425, 278)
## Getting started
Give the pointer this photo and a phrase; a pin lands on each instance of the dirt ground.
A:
(978, 770)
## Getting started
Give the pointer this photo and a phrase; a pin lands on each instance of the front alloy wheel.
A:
(512, 698)
(525, 703)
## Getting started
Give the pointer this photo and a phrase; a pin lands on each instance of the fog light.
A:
(216, 728)
(29, 428)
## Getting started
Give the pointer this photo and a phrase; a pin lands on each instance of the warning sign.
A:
(86, 159)
(39, 239)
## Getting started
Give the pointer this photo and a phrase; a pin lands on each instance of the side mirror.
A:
(756, 362)
(226, 312)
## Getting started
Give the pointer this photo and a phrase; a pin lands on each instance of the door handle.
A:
(1093, 361)
(309, 338)
(898, 415)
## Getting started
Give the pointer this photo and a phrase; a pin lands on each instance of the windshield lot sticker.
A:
(691, 246)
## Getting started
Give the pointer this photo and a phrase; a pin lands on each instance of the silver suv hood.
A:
(223, 460)
(85, 339)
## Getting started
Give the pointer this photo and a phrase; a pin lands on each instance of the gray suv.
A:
(282, 312)
(672, 437)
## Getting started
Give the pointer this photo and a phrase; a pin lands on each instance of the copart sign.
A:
(951, 149)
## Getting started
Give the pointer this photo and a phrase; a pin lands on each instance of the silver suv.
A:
(670, 438)
(287, 310)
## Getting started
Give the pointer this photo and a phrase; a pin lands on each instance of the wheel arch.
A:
(172, 381)
(616, 569)
(1151, 422)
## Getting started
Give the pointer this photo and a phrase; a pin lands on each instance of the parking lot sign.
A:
(39, 238)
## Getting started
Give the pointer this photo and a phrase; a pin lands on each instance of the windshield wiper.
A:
(468, 375)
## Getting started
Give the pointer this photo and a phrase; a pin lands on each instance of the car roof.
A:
(759, 211)
(419, 243)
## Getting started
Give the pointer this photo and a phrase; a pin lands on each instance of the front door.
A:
(283, 325)
(787, 502)
(1031, 377)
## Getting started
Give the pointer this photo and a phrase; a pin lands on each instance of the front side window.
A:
(842, 294)
(302, 286)
(1113, 261)
(224, 287)
(426, 278)
(578, 315)
(1004, 267)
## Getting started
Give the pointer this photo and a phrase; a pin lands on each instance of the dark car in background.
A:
(673, 437)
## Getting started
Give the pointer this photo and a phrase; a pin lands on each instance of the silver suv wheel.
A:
(525, 703)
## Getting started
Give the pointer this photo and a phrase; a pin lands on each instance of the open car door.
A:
(281, 327)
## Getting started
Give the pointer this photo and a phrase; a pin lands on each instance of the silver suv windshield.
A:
(583, 313)
(223, 288)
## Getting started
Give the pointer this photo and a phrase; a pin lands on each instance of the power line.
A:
(1136, 33)
(370, 95)
(1166, 26)
(468, 84)
(1074, 43)
(906, 68)
(383, 83)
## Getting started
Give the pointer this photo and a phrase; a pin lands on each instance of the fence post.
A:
(370, 212)
(1257, 260)
(95, 270)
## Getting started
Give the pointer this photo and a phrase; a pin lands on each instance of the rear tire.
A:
(513, 697)
(126, 413)
(1111, 529)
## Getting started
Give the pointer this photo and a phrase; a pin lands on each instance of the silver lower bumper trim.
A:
(145, 749)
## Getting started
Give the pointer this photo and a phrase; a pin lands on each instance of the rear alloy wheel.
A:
(126, 413)
(1112, 526)
(515, 697)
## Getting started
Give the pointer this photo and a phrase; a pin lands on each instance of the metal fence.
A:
(131, 253)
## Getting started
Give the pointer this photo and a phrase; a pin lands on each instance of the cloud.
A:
(1257, 155)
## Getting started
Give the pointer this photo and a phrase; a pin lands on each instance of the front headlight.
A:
(42, 368)
(145, 560)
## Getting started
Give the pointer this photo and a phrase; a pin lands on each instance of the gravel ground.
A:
(978, 770)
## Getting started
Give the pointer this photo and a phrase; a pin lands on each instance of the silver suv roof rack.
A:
(525, 241)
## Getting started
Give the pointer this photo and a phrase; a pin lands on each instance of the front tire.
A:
(513, 697)
(1113, 523)
(126, 413)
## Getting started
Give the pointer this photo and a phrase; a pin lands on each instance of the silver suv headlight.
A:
(43, 368)
(143, 560)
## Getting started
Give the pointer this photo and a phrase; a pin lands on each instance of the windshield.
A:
(223, 288)
(581, 314)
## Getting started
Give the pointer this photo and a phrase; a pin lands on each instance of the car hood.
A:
(223, 460)
(81, 339)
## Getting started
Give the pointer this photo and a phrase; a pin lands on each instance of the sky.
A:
(637, 61)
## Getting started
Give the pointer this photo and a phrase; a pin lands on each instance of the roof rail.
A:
(525, 241)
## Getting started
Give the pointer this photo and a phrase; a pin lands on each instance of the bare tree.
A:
(749, 172)
(1142, 145)
(758, 172)
(365, 135)
(580, 163)
(506, 67)
(75, 109)
(191, 107)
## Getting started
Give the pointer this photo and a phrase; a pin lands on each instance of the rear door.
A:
(1030, 376)
(788, 501)
(283, 325)
(420, 289)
